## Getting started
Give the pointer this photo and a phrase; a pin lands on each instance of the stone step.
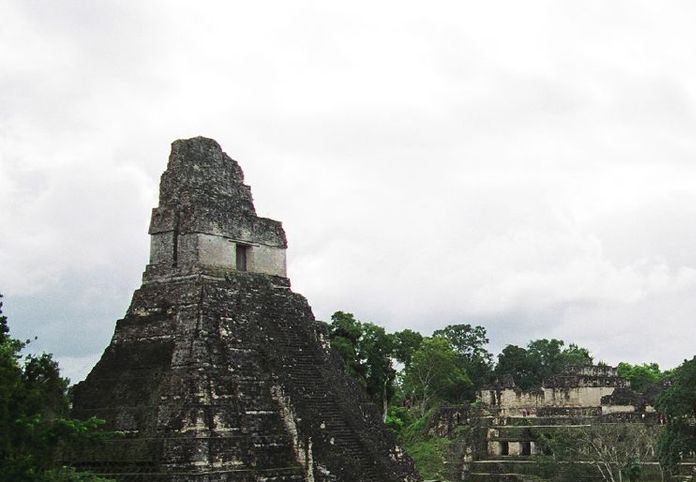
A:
(508, 477)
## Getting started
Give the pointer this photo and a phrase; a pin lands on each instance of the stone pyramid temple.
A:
(218, 371)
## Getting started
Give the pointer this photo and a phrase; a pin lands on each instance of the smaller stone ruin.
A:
(506, 438)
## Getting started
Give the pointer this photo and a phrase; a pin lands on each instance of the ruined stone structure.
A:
(218, 371)
(584, 390)
(505, 441)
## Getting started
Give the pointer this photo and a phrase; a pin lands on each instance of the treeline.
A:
(409, 376)
(450, 366)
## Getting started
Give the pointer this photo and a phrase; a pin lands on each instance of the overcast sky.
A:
(527, 166)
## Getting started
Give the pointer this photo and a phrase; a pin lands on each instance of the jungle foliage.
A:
(541, 359)
(410, 375)
(448, 367)
(34, 420)
(643, 376)
(678, 403)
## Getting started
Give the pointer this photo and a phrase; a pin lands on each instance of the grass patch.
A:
(430, 456)
(429, 452)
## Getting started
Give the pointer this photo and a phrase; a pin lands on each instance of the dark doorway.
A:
(504, 448)
(527, 448)
(241, 253)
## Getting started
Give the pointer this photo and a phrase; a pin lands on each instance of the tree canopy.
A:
(34, 420)
(435, 373)
(367, 351)
(449, 366)
(470, 344)
(678, 404)
(406, 342)
(642, 376)
(541, 359)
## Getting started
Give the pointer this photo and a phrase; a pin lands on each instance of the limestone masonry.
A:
(507, 434)
(218, 371)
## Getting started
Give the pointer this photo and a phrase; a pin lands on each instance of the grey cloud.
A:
(527, 167)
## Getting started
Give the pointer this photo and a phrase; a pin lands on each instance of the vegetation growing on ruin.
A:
(642, 376)
(429, 451)
(540, 360)
(34, 420)
(411, 376)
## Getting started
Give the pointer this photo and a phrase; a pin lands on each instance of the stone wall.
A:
(512, 421)
(515, 402)
(204, 210)
(579, 388)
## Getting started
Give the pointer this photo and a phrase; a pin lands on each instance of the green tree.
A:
(406, 342)
(435, 374)
(345, 333)
(642, 376)
(516, 362)
(541, 359)
(552, 358)
(470, 342)
(467, 340)
(34, 420)
(367, 350)
(375, 351)
(678, 404)
(575, 356)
